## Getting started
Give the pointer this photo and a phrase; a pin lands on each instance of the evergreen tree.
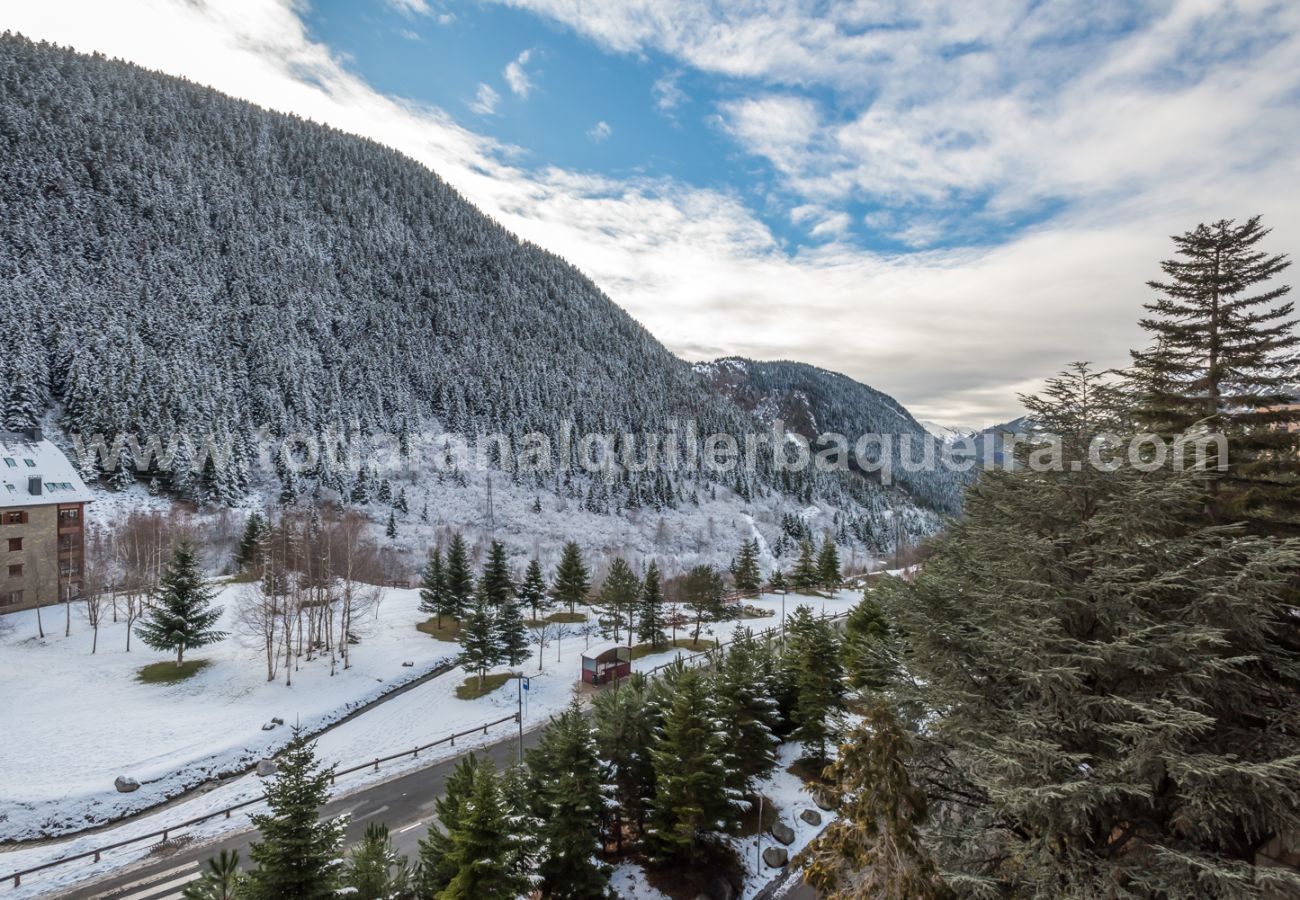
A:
(873, 848)
(221, 880)
(704, 592)
(819, 687)
(532, 590)
(828, 564)
(297, 854)
(183, 615)
(483, 848)
(460, 579)
(20, 412)
(375, 871)
(1101, 679)
(401, 504)
(391, 530)
(692, 802)
(436, 867)
(572, 580)
(747, 712)
(435, 599)
(650, 609)
(248, 553)
(869, 646)
(744, 568)
(511, 632)
(1226, 356)
(805, 576)
(480, 645)
(625, 734)
(778, 584)
(496, 581)
(570, 805)
(619, 594)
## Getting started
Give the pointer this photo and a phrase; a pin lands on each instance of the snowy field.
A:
(229, 702)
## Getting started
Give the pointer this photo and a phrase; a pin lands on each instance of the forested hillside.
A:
(172, 259)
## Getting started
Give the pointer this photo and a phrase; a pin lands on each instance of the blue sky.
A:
(946, 200)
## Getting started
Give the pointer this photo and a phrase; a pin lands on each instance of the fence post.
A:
(376, 765)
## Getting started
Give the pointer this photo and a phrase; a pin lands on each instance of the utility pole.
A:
(491, 514)
(522, 681)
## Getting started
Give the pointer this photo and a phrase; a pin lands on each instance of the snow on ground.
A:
(74, 722)
(168, 720)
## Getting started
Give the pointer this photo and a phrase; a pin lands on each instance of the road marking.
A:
(373, 812)
(140, 882)
(407, 828)
(156, 891)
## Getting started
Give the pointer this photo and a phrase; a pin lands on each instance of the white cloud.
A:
(485, 100)
(411, 7)
(668, 95)
(600, 132)
(951, 333)
(517, 78)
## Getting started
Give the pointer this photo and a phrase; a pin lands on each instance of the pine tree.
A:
(511, 632)
(480, 645)
(819, 687)
(375, 871)
(1226, 355)
(572, 580)
(183, 615)
(619, 594)
(297, 853)
(1099, 666)
(483, 848)
(704, 592)
(869, 646)
(391, 530)
(435, 599)
(532, 590)
(496, 581)
(221, 880)
(805, 575)
(436, 868)
(20, 410)
(570, 804)
(778, 584)
(625, 734)
(650, 609)
(460, 579)
(744, 568)
(692, 803)
(873, 848)
(248, 553)
(828, 564)
(747, 711)
(401, 504)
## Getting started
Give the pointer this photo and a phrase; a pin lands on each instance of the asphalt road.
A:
(405, 804)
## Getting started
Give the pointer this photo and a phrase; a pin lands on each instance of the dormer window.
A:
(11, 463)
(31, 463)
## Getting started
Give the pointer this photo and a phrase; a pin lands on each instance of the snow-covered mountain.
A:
(181, 261)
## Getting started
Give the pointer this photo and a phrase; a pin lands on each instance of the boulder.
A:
(811, 816)
(824, 800)
(720, 889)
(783, 832)
(407, 664)
(266, 767)
(277, 720)
(269, 725)
(776, 857)
(125, 784)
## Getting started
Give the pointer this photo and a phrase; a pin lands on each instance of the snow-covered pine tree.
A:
(183, 616)
(222, 879)
(248, 552)
(650, 609)
(747, 711)
(805, 576)
(572, 580)
(391, 530)
(1133, 718)
(484, 849)
(569, 801)
(625, 733)
(297, 853)
(374, 870)
(435, 868)
(692, 803)
(495, 581)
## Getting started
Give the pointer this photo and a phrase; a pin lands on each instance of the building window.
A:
(31, 463)
(16, 571)
(13, 598)
(69, 514)
(15, 544)
(69, 569)
(16, 518)
(68, 541)
(11, 463)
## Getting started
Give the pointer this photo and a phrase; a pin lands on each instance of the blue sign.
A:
(527, 681)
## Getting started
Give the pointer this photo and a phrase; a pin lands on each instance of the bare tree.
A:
(95, 574)
(359, 572)
(544, 633)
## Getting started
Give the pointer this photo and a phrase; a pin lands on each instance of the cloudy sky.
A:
(947, 200)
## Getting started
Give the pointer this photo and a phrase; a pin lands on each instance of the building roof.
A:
(597, 650)
(29, 455)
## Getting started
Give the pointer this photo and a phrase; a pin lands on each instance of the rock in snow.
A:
(783, 833)
(267, 767)
(125, 784)
(811, 816)
(776, 857)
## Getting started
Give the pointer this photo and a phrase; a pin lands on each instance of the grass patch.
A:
(168, 672)
(450, 630)
(471, 690)
(567, 618)
(702, 644)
